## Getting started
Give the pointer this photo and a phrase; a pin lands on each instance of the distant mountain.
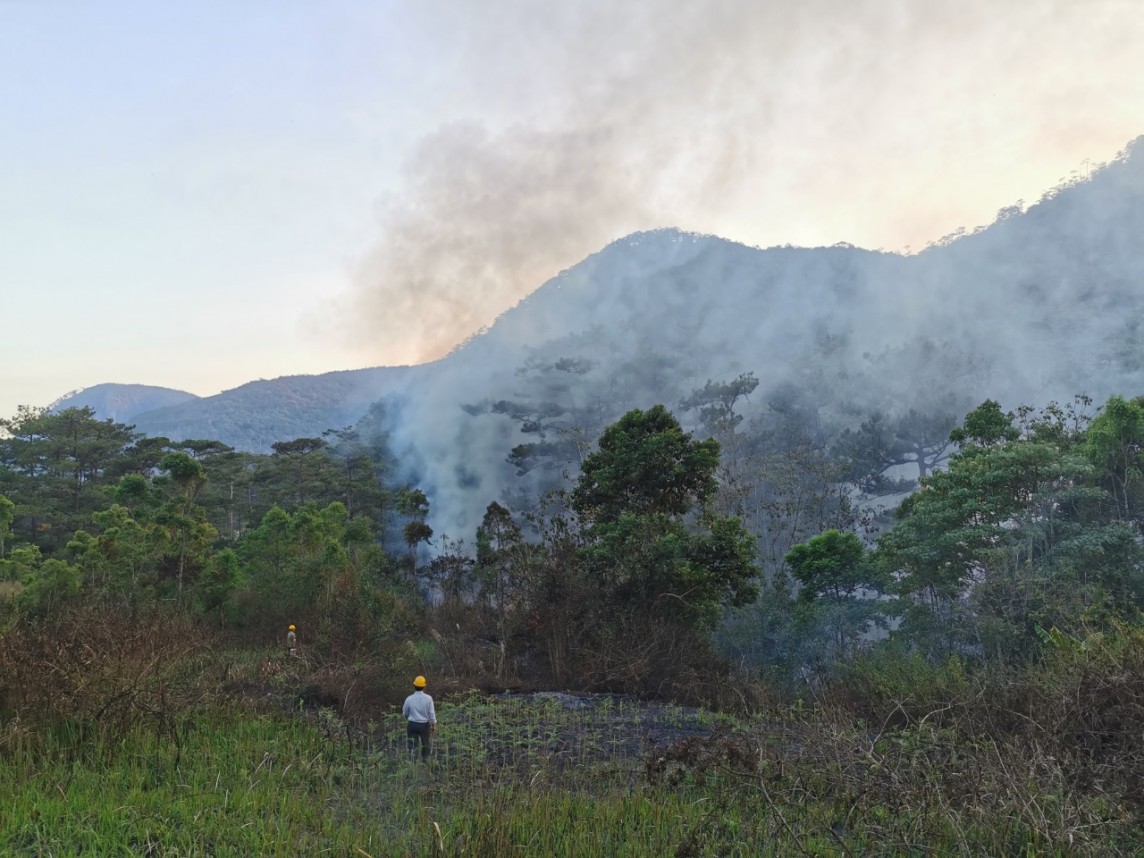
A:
(121, 402)
(255, 415)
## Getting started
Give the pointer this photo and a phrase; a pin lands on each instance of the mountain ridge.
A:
(121, 402)
(833, 333)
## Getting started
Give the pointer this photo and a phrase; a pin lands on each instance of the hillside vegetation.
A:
(1042, 304)
(251, 417)
(811, 677)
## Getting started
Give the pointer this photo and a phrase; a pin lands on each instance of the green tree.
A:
(831, 566)
(362, 467)
(1015, 534)
(1115, 445)
(986, 425)
(184, 539)
(838, 584)
(308, 467)
(57, 465)
(48, 583)
(219, 582)
(182, 534)
(22, 561)
(315, 567)
(142, 456)
(7, 516)
(645, 465)
(122, 559)
(266, 552)
(657, 557)
(187, 473)
(134, 492)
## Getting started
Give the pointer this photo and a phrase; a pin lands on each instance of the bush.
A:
(111, 671)
(886, 685)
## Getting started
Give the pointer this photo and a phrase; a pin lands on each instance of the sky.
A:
(197, 195)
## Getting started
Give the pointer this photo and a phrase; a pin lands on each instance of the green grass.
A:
(241, 785)
(510, 777)
(247, 785)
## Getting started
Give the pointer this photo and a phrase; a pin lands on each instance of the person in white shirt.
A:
(418, 708)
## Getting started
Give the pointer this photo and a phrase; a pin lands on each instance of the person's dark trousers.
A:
(418, 733)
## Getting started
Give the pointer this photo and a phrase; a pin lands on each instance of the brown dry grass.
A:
(105, 670)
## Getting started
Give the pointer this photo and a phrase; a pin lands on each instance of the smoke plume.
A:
(769, 123)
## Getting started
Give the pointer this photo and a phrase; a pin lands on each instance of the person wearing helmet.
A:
(291, 640)
(422, 717)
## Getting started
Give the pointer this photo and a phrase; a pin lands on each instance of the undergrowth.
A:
(192, 751)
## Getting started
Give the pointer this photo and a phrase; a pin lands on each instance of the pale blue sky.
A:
(196, 195)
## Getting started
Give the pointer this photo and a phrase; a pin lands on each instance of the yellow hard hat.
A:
(419, 682)
(291, 627)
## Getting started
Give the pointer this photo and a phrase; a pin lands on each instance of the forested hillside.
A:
(844, 549)
(1039, 306)
(250, 417)
(255, 415)
(1042, 305)
(995, 621)
(1033, 523)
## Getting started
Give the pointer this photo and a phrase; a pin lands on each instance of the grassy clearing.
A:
(536, 776)
(230, 785)
(139, 749)
(235, 784)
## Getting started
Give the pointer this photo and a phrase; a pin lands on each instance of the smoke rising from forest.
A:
(770, 124)
(766, 123)
(1042, 305)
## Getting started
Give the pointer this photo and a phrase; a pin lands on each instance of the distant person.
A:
(418, 708)
(291, 640)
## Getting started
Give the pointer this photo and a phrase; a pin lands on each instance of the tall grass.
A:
(274, 785)
(177, 751)
(537, 778)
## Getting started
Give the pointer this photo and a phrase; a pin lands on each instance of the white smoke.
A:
(807, 124)
(1040, 306)
(770, 123)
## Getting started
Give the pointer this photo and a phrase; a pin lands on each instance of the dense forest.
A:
(940, 618)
